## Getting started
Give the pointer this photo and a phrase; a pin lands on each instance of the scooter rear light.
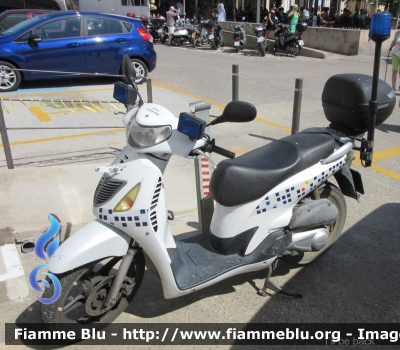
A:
(209, 30)
(145, 35)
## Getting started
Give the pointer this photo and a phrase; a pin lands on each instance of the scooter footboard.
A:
(92, 242)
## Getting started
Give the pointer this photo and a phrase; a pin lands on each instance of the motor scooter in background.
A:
(262, 42)
(239, 36)
(291, 43)
(181, 34)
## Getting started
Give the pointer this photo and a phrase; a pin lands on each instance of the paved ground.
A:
(356, 281)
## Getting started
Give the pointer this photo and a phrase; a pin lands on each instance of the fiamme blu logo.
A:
(51, 238)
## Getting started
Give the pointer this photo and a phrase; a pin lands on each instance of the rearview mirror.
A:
(128, 71)
(237, 112)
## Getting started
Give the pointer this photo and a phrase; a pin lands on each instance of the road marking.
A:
(12, 263)
(379, 155)
(17, 143)
(221, 106)
(38, 112)
(386, 172)
(276, 125)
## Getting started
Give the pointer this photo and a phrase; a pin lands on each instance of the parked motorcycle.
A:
(239, 36)
(262, 42)
(266, 207)
(207, 32)
(180, 37)
(291, 43)
(154, 25)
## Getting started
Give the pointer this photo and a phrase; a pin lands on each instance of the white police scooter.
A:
(272, 202)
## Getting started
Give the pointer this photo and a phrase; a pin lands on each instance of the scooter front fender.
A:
(92, 242)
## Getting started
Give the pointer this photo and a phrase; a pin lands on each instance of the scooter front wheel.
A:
(332, 193)
(84, 291)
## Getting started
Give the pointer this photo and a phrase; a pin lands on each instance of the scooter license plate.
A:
(160, 31)
(211, 37)
(193, 35)
(260, 39)
(301, 42)
(236, 43)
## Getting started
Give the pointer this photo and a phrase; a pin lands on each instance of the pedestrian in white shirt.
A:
(221, 12)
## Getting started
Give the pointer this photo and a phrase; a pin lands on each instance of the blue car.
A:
(76, 42)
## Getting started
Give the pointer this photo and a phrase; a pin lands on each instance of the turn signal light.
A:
(127, 202)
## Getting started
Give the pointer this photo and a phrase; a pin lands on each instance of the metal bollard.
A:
(203, 172)
(149, 91)
(235, 82)
(4, 138)
(298, 91)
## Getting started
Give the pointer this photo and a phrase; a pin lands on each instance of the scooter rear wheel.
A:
(212, 44)
(261, 49)
(237, 49)
(335, 231)
(296, 49)
(83, 291)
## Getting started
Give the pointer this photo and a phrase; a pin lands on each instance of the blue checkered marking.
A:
(308, 186)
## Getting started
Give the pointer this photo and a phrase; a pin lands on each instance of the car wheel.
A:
(9, 78)
(140, 69)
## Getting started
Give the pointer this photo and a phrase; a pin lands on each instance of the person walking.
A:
(395, 57)
(171, 14)
(221, 11)
(293, 17)
(271, 23)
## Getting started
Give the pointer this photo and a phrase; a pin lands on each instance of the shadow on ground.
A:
(355, 281)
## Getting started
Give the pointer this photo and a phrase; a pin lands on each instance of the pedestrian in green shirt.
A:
(294, 16)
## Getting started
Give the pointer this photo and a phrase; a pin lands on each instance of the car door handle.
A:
(73, 45)
(120, 40)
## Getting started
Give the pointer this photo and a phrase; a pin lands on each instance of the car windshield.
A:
(24, 24)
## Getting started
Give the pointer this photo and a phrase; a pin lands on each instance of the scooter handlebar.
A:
(223, 152)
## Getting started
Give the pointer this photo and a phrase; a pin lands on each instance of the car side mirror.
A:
(33, 39)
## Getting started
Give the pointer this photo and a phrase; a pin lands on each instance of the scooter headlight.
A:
(139, 136)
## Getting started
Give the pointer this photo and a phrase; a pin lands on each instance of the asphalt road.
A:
(356, 281)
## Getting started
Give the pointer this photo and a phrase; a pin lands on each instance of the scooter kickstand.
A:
(271, 285)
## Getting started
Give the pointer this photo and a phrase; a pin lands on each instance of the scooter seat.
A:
(252, 175)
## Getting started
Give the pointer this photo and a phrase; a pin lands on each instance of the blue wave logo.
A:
(52, 234)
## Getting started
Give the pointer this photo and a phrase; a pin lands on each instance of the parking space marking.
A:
(38, 112)
(386, 172)
(379, 155)
(58, 138)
